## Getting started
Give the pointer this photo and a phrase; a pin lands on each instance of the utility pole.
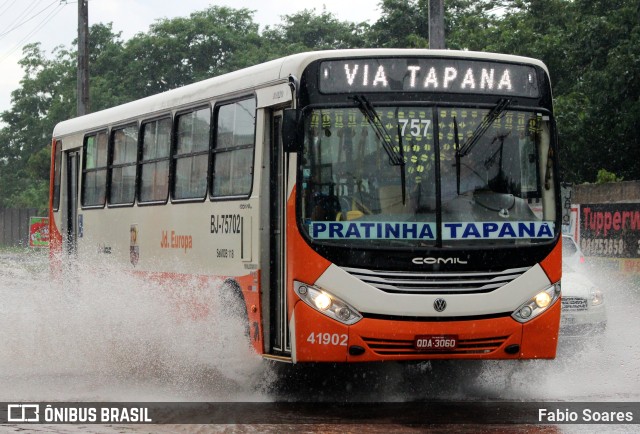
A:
(436, 24)
(83, 57)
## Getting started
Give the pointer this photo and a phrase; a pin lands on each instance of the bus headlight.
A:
(322, 301)
(327, 304)
(543, 299)
(537, 304)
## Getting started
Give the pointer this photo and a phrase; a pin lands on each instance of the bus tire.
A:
(234, 305)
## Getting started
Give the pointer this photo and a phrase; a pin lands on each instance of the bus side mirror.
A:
(291, 135)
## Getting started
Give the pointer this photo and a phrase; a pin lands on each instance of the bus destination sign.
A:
(428, 75)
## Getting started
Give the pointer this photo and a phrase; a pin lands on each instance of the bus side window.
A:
(191, 158)
(233, 149)
(94, 173)
(122, 172)
(154, 164)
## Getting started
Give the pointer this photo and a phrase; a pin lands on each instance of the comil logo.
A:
(433, 261)
(23, 413)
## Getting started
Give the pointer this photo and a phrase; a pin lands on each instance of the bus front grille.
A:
(393, 347)
(436, 283)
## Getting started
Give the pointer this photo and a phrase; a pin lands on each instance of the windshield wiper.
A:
(482, 127)
(457, 143)
(403, 176)
(395, 158)
(471, 142)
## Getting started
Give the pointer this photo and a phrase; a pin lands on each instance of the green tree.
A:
(402, 24)
(610, 31)
(592, 49)
(604, 176)
(472, 25)
(28, 130)
(47, 95)
(106, 68)
(179, 51)
(308, 30)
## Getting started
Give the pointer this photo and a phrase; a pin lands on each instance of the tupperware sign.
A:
(610, 230)
(427, 75)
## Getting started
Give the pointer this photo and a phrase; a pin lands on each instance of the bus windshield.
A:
(398, 175)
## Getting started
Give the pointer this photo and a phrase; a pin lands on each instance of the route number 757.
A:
(417, 127)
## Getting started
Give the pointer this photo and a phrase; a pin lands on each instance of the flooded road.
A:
(111, 337)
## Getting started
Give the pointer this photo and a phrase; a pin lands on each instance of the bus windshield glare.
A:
(397, 175)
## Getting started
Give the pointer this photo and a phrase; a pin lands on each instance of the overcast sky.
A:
(54, 22)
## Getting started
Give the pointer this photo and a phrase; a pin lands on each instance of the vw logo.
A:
(440, 304)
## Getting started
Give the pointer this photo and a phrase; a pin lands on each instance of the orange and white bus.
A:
(365, 205)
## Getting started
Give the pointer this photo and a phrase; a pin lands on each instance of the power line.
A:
(28, 19)
(2, 11)
(27, 10)
(38, 27)
(5, 2)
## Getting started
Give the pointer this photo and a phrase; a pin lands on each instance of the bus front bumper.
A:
(322, 339)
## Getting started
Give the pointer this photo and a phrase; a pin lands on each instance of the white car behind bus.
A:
(583, 308)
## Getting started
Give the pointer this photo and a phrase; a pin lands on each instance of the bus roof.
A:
(247, 79)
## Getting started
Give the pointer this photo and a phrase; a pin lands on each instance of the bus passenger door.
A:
(70, 214)
(274, 252)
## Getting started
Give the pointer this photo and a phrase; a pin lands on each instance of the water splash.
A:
(109, 335)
